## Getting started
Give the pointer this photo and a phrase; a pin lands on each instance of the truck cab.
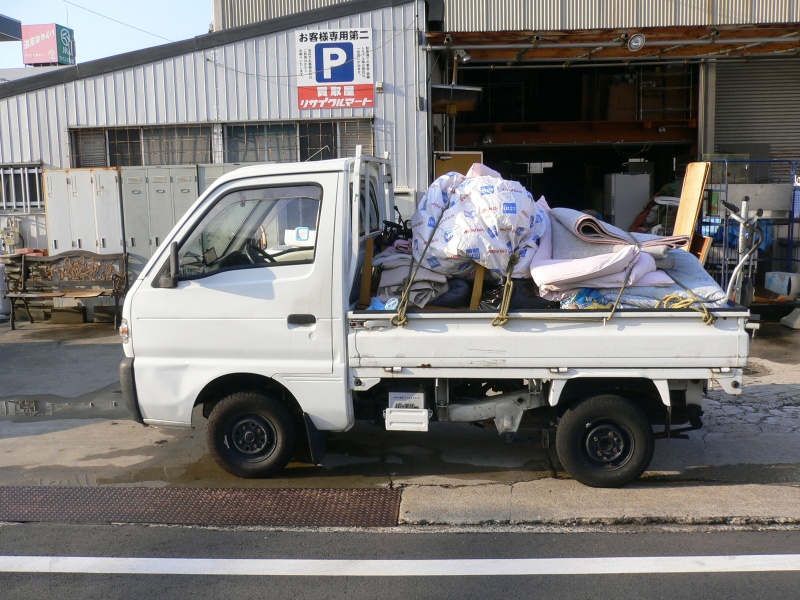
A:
(250, 296)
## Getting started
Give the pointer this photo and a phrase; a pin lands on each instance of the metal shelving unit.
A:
(771, 185)
(665, 93)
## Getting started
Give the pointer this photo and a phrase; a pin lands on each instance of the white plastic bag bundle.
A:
(429, 222)
(485, 220)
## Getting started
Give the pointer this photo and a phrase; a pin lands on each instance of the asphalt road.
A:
(744, 467)
(517, 564)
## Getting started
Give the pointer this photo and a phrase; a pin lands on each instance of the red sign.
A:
(39, 44)
(358, 95)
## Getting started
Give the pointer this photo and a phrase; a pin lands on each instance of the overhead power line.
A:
(116, 21)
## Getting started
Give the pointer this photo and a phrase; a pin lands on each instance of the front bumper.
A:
(128, 385)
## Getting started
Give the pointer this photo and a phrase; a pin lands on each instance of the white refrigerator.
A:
(625, 197)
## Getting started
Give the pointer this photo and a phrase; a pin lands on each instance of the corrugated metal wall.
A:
(239, 82)
(233, 13)
(533, 15)
(539, 15)
(759, 103)
(542, 15)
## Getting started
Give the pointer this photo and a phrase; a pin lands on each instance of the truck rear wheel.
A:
(251, 435)
(605, 441)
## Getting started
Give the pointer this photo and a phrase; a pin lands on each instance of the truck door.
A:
(254, 294)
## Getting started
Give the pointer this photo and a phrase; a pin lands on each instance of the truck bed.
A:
(553, 339)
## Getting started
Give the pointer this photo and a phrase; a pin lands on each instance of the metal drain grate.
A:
(202, 506)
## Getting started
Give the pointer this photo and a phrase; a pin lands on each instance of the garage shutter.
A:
(89, 148)
(758, 102)
(354, 133)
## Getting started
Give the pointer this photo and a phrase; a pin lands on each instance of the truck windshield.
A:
(257, 226)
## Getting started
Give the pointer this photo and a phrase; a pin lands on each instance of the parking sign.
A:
(335, 69)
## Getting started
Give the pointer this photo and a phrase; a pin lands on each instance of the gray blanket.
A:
(578, 235)
(396, 267)
(688, 274)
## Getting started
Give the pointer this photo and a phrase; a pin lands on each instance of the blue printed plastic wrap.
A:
(477, 219)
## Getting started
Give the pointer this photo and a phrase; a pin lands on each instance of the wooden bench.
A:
(77, 274)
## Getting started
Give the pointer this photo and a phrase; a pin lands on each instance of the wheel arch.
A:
(648, 394)
(218, 388)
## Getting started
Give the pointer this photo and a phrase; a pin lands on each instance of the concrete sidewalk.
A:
(61, 423)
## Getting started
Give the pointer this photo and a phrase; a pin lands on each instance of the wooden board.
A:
(694, 184)
(85, 293)
(365, 291)
(700, 246)
(477, 288)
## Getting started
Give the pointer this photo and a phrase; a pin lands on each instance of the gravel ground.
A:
(770, 402)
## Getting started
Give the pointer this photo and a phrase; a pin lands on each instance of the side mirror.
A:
(169, 279)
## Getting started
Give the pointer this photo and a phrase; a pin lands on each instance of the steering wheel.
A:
(257, 255)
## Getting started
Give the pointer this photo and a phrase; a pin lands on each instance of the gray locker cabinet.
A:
(81, 210)
(159, 201)
(153, 200)
(107, 211)
(209, 173)
(136, 219)
(184, 190)
(59, 227)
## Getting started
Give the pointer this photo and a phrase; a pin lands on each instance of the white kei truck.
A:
(251, 310)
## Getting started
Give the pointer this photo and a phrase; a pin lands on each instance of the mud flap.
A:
(316, 440)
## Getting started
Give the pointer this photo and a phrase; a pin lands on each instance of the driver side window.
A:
(266, 226)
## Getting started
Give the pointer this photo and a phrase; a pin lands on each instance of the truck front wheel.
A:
(251, 435)
(605, 441)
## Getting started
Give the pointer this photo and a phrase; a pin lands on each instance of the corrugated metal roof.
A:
(10, 29)
(198, 43)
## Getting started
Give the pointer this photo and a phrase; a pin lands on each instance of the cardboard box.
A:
(676, 100)
(103, 314)
(622, 102)
(652, 105)
(69, 315)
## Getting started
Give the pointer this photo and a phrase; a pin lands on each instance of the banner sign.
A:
(334, 69)
(48, 44)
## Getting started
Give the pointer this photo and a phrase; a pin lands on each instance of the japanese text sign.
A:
(48, 44)
(334, 69)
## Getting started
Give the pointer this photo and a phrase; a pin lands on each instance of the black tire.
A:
(605, 441)
(251, 435)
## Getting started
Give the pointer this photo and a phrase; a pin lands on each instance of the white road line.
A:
(401, 568)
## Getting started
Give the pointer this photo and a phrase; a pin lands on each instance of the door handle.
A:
(301, 319)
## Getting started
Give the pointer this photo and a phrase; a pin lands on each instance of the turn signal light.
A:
(124, 331)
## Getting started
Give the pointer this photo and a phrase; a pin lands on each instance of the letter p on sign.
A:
(334, 63)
